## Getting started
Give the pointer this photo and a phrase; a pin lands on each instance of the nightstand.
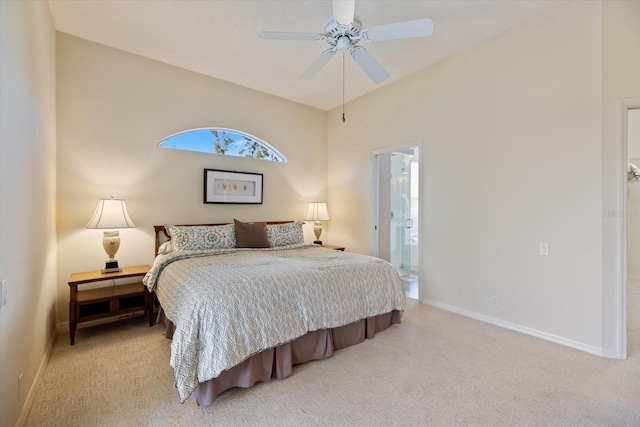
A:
(334, 247)
(92, 304)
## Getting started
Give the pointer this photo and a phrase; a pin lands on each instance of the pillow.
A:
(165, 248)
(251, 234)
(198, 237)
(285, 234)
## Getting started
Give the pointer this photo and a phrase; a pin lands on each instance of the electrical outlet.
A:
(20, 387)
(544, 248)
(495, 302)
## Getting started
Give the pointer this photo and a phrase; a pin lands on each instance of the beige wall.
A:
(27, 194)
(113, 108)
(511, 133)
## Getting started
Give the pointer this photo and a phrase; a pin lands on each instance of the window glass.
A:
(227, 142)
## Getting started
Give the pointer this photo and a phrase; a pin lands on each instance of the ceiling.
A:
(220, 38)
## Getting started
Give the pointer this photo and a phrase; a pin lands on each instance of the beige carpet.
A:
(435, 369)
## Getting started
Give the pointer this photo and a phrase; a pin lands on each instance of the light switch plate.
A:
(544, 248)
(3, 292)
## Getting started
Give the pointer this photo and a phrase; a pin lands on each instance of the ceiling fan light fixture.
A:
(344, 43)
(344, 31)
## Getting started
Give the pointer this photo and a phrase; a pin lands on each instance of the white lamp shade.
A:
(317, 212)
(111, 213)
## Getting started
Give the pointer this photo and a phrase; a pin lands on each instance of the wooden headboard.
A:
(162, 235)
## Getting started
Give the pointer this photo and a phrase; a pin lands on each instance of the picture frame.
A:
(232, 187)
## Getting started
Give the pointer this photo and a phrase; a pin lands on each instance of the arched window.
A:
(227, 142)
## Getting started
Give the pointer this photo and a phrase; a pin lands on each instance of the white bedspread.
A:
(230, 304)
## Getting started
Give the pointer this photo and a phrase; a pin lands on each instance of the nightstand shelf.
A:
(92, 304)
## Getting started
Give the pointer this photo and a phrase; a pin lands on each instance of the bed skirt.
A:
(278, 362)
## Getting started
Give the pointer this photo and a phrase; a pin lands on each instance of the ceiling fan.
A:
(344, 32)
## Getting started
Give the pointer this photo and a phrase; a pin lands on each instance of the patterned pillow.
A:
(285, 234)
(199, 237)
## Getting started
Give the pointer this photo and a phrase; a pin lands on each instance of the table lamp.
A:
(111, 213)
(317, 212)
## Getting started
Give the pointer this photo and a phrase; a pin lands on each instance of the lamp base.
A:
(317, 242)
(111, 243)
(111, 267)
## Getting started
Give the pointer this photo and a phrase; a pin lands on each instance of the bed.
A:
(245, 302)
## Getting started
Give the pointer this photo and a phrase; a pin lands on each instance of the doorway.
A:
(396, 212)
(624, 305)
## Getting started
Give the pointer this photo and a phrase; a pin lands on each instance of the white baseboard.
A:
(613, 354)
(36, 381)
(519, 328)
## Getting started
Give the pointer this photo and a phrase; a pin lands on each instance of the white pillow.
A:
(165, 248)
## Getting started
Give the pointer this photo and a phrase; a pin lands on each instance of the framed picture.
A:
(232, 187)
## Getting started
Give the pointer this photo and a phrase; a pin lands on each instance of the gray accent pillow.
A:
(285, 234)
(251, 234)
(198, 237)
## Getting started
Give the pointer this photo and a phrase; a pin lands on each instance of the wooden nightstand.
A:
(334, 247)
(91, 304)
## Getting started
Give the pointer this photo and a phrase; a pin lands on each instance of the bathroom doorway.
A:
(396, 212)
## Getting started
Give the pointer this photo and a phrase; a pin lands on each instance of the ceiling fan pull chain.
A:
(343, 117)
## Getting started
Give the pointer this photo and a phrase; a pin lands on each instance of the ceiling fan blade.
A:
(280, 35)
(368, 64)
(343, 11)
(399, 30)
(317, 64)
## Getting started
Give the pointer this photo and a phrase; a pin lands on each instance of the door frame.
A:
(624, 105)
(375, 198)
